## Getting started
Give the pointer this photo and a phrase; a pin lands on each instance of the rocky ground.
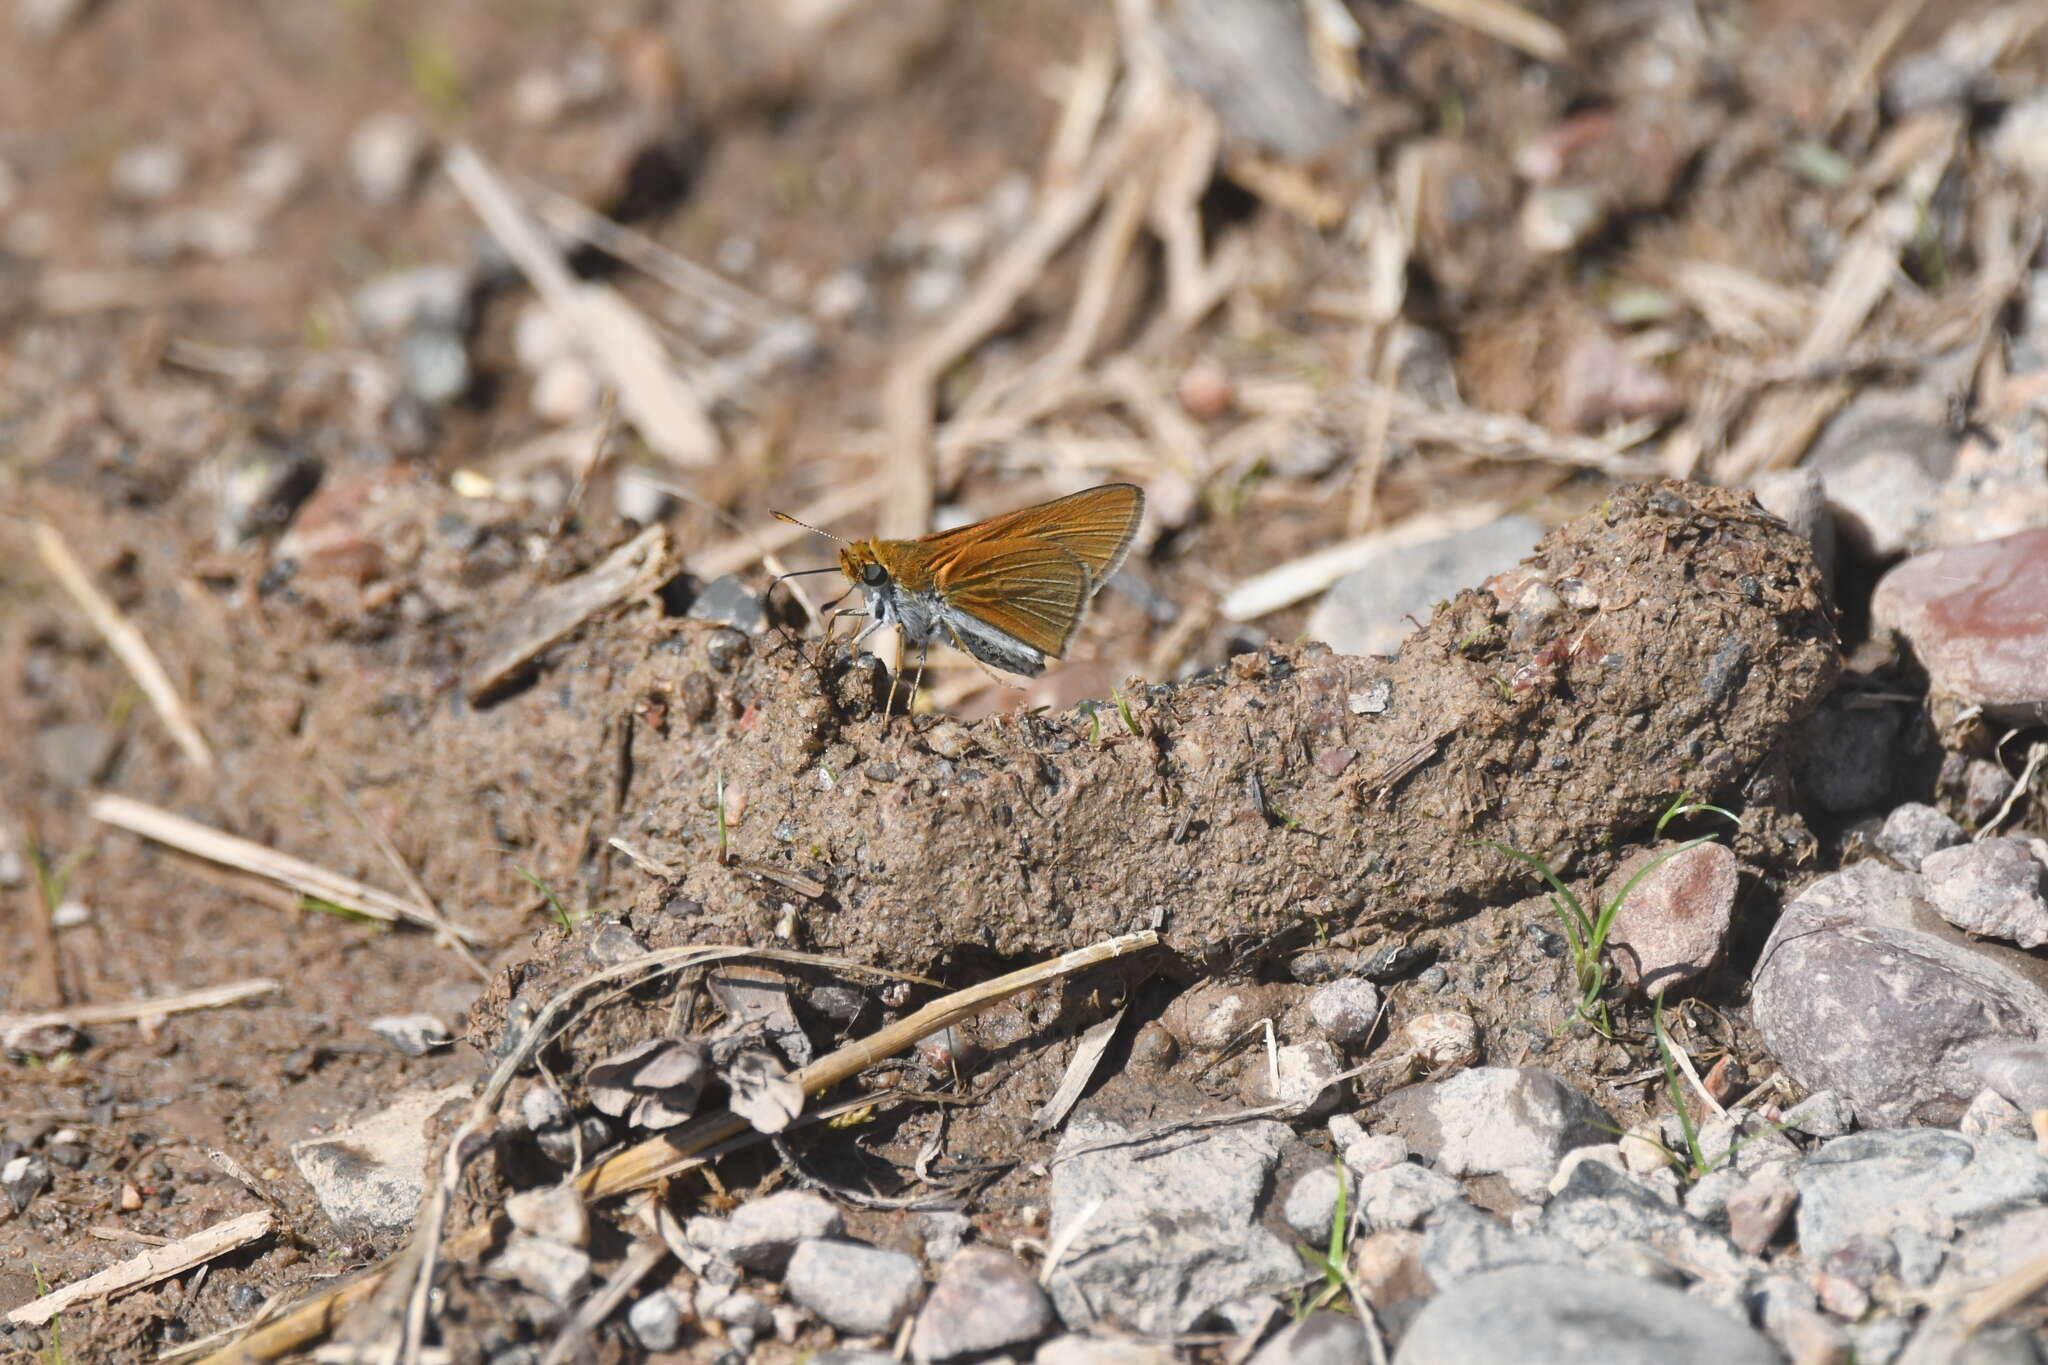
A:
(1540, 854)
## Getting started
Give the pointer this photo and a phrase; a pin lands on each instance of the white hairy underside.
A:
(926, 620)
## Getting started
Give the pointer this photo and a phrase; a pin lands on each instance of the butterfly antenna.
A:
(814, 530)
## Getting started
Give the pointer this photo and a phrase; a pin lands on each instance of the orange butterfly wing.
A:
(1095, 525)
(1032, 590)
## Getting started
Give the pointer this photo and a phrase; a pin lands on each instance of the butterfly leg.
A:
(895, 677)
(917, 682)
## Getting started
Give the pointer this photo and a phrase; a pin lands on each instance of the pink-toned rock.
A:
(1976, 616)
(1671, 927)
(1600, 382)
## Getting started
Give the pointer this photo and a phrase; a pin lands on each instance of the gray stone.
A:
(1084, 1350)
(1910, 1187)
(1991, 888)
(415, 1035)
(1823, 1114)
(1982, 787)
(1672, 924)
(983, 1302)
(23, 1178)
(1798, 498)
(657, 1320)
(744, 1310)
(1312, 1202)
(1459, 1241)
(1600, 1206)
(1403, 1194)
(368, 1177)
(1369, 1152)
(1846, 756)
(763, 1232)
(862, 1290)
(260, 488)
(1545, 1315)
(385, 155)
(943, 1231)
(434, 364)
(75, 753)
(1883, 502)
(1252, 62)
(1878, 1339)
(2017, 1070)
(1863, 989)
(728, 601)
(1785, 1309)
(1991, 1112)
(615, 944)
(1913, 831)
(1318, 1339)
(1366, 612)
(149, 172)
(1976, 617)
(436, 297)
(1345, 1009)
(1160, 1236)
(1301, 1076)
(556, 1272)
(554, 1213)
(1492, 1120)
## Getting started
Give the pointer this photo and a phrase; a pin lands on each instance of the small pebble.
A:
(415, 1035)
(149, 172)
(862, 1290)
(385, 156)
(657, 1320)
(1913, 831)
(1205, 390)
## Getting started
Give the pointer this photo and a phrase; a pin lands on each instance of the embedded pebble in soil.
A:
(1672, 924)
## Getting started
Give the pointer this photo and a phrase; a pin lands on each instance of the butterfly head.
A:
(863, 567)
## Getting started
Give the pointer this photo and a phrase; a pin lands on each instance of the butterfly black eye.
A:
(874, 575)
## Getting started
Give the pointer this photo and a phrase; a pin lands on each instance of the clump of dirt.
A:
(1665, 643)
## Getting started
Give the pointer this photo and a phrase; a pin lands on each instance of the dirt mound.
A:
(1665, 643)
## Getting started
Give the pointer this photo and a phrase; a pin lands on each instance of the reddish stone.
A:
(1976, 616)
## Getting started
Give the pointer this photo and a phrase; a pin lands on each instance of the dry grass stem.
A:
(753, 547)
(79, 1016)
(189, 836)
(907, 390)
(1510, 23)
(700, 285)
(553, 612)
(150, 1267)
(126, 641)
(1502, 436)
(660, 404)
(1859, 77)
(575, 1334)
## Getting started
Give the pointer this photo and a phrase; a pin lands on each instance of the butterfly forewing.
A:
(1096, 526)
(1032, 590)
